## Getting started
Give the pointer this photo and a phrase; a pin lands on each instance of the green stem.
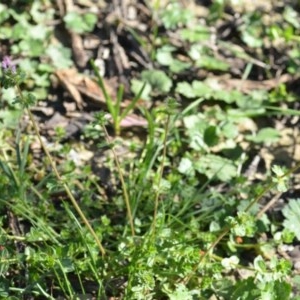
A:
(59, 178)
(125, 193)
(162, 165)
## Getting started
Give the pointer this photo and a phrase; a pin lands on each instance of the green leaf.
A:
(174, 15)
(41, 15)
(276, 290)
(158, 80)
(60, 56)
(186, 166)
(252, 101)
(4, 14)
(90, 21)
(287, 236)
(251, 40)
(211, 63)
(80, 23)
(38, 32)
(67, 265)
(291, 212)
(245, 290)
(8, 95)
(185, 89)
(265, 135)
(210, 136)
(291, 16)
(5, 33)
(195, 51)
(230, 262)
(177, 66)
(29, 65)
(201, 89)
(195, 123)
(280, 179)
(36, 235)
(197, 34)
(278, 170)
(195, 126)
(165, 58)
(216, 166)
(30, 47)
(259, 264)
(243, 225)
(228, 96)
(230, 130)
(20, 31)
(282, 290)
(9, 118)
(164, 55)
(41, 80)
(136, 86)
(181, 292)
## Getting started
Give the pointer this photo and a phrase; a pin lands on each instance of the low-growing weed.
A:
(184, 238)
(176, 216)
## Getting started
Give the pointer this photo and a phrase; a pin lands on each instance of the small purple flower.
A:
(7, 64)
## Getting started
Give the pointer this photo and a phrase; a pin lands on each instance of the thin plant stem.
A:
(162, 166)
(269, 205)
(125, 193)
(60, 179)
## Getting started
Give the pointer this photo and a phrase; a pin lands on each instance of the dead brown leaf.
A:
(133, 120)
(79, 85)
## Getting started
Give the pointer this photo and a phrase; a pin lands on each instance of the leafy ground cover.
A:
(149, 150)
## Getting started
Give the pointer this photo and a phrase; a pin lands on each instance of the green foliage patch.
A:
(173, 210)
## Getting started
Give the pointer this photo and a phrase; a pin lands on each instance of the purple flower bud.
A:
(7, 64)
